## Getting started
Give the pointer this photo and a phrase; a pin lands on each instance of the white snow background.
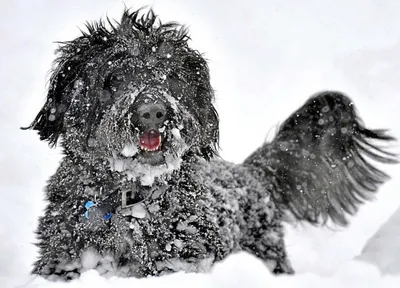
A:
(266, 58)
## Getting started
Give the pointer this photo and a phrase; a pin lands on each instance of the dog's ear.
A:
(198, 74)
(64, 83)
(211, 132)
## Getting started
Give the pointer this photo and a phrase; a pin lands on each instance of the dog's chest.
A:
(183, 222)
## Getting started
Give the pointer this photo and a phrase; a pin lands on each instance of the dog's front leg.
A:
(68, 229)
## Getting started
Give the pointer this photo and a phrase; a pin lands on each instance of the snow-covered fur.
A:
(116, 207)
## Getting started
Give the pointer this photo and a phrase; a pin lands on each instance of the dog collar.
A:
(128, 202)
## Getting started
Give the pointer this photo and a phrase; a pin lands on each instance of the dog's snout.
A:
(152, 113)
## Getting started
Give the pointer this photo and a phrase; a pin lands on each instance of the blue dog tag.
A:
(108, 216)
(90, 204)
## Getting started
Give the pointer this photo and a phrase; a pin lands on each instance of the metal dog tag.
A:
(127, 200)
(132, 197)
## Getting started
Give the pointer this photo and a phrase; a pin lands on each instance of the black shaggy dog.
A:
(140, 192)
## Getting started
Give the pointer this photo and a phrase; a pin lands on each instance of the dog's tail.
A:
(320, 160)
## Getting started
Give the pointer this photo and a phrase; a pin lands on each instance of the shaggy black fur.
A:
(180, 208)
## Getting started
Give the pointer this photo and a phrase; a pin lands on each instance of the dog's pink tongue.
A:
(150, 140)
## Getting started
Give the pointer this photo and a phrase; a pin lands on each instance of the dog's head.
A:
(134, 93)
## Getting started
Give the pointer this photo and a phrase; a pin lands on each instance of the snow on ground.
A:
(266, 58)
(383, 248)
(237, 271)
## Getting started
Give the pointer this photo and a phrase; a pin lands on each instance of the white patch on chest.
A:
(129, 150)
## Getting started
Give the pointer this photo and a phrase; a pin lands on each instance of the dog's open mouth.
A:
(151, 141)
(151, 148)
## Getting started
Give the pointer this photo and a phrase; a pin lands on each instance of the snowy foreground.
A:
(241, 270)
(383, 249)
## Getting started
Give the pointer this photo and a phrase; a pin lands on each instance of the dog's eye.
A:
(114, 81)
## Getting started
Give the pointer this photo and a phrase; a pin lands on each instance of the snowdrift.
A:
(237, 271)
(383, 249)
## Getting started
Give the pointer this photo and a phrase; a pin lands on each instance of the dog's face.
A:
(135, 94)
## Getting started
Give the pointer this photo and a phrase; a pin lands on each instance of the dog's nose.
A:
(152, 113)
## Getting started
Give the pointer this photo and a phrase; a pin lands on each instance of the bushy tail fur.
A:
(321, 162)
